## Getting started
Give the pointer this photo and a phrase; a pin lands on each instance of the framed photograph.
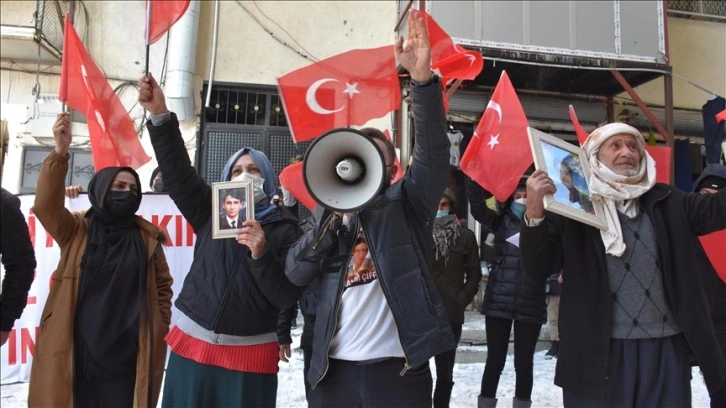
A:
(232, 204)
(566, 164)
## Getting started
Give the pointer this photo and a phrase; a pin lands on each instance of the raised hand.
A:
(414, 54)
(62, 133)
(73, 191)
(151, 97)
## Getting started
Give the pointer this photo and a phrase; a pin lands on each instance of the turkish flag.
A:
(721, 116)
(449, 59)
(341, 91)
(581, 133)
(292, 178)
(713, 244)
(499, 153)
(662, 156)
(163, 15)
(83, 87)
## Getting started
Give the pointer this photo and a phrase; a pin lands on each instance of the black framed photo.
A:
(567, 166)
(232, 204)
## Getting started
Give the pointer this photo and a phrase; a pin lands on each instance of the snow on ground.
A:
(467, 379)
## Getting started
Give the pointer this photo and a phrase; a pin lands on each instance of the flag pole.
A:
(148, 34)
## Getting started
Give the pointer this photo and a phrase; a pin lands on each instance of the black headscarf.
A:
(113, 270)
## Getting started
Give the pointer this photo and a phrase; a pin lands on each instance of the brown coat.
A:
(51, 376)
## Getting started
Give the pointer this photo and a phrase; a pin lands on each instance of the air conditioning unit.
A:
(41, 127)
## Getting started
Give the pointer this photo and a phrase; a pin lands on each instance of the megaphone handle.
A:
(327, 226)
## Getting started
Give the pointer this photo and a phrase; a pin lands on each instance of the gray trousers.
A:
(642, 373)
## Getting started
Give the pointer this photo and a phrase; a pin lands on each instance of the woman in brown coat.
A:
(101, 336)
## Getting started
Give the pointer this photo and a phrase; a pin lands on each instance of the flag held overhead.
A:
(499, 153)
(345, 90)
(162, 14)
(83, 87)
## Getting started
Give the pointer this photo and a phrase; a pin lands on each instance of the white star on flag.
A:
(493, 140)
(351, 89)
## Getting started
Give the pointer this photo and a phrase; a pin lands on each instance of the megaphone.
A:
(344, 169)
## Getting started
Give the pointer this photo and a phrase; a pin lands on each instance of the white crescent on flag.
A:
(494, 139)
(312, 101)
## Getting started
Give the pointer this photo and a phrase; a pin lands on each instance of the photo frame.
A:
(232, 204)
(568, 167)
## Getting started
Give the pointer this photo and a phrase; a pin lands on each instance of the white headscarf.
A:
(616, 192)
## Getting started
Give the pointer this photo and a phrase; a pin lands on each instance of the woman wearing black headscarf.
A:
(101, 336)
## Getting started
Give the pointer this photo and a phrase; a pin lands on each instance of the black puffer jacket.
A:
(225, 291)
(510, 293)
(398, 227)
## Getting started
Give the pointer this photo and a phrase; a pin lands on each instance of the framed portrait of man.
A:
(232, 204)
(567, 166)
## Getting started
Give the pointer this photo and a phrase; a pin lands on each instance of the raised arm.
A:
(425, 182)
(49, 205)
(479, 209)
(190, 193)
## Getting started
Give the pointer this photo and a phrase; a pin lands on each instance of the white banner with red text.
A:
(159, 209)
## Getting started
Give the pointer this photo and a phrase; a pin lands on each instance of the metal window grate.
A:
(707, 10)
(245, 107)
(49, 22)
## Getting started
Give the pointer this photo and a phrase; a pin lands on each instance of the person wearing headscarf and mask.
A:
(457, 271)
(632, 308)
(224, 347)
(156, 182)
(101, 334)
(511, 297)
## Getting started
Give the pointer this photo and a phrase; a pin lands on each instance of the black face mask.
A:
(158, 186)
(122, 203)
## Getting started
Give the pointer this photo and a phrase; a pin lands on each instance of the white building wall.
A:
(257, 42)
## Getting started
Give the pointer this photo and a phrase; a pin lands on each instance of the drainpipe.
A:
(179, 88)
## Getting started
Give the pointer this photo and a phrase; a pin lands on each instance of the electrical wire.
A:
(275, 37)
(285, 31)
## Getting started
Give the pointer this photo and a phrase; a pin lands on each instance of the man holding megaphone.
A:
(373, 340)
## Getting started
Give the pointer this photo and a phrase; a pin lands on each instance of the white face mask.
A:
(522, 201)
(257, 185)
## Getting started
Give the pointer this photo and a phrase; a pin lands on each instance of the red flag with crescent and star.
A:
(499, 153)
(114, 141)
(345, 90)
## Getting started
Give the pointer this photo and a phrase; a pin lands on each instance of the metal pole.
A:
(214, 53)
(148, 35)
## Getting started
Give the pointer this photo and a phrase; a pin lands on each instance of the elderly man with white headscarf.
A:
(632, 310)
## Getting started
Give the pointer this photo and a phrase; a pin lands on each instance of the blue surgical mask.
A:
(442, 213)
(257, 185)
(517, 209)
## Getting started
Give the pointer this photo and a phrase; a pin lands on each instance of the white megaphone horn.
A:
(344, 169)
